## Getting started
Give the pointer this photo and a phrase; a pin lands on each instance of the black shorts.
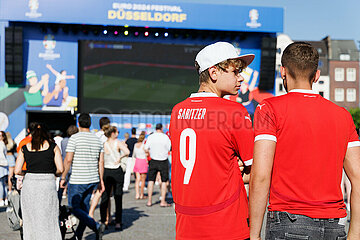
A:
(156, 166)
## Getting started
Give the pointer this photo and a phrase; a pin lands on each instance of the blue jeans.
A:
(3, 189)
(284, 225)
(79, 200)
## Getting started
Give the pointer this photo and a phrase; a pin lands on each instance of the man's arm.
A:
(67, 164)
(260, 177)
(352, 169)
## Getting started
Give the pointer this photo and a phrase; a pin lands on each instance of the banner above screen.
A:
(146, 14)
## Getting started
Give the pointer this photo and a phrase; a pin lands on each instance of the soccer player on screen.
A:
(209, 134)
(302, 144)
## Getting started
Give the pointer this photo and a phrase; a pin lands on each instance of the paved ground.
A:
(140, 222)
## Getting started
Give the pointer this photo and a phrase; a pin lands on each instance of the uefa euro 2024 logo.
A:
(33, 6)
(49, 42)
(254, 17)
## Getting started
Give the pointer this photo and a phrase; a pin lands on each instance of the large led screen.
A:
(135, 77)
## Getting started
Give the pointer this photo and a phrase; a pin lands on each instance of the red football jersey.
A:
(208, 135)
(312, 135)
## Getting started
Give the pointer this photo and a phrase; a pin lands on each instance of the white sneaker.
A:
(6, 202)
(2, 203)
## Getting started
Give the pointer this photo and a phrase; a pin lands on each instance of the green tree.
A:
(355, 113)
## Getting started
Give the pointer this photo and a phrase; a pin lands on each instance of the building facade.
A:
(344, 72)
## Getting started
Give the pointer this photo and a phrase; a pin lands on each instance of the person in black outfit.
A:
(39, 202)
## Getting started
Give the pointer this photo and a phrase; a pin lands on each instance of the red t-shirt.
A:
(208, 134)
(312, 135)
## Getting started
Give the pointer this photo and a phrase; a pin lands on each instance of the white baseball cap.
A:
(218, 52)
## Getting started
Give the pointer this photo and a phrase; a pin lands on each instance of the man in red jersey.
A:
(209, 134)
(302, 143)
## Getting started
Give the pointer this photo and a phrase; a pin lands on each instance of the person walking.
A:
(10, 156)
(39, 202)
(158, 146)
(208, 135)
(85, 156)
(72, 129)
(104, 123)
(4, 169)
(130, 142)
(302, 143)
(140, 168)
(115, 151)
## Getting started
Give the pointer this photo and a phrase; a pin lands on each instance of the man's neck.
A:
(133, 136)
(299, 84)
(159, 131)
(210, 89)
(84, 129)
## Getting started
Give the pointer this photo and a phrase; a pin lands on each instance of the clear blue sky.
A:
(311, 19)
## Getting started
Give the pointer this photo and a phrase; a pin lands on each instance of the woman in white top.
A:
(114, 171)
(3, 169)
(141, 166)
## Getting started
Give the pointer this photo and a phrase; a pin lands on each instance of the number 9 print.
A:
(188, 163)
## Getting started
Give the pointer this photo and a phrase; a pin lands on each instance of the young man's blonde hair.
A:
(204, 76)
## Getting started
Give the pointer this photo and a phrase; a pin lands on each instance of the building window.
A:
(339, 94)
(321, 82)
(344, 57)
(321, 94)
(339, 74)
(351, 95)
(280, 87)
(351, 74)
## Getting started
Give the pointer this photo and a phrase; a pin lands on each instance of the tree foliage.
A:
(355, 113)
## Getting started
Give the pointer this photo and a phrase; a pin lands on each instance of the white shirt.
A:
(158, 145)
(111, 155)
(100, 134)
(139, 152)
(58, 140)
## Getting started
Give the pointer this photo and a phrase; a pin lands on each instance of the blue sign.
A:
(51, 74)
(146, 13)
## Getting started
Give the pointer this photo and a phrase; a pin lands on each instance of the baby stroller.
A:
(13, 210)
(67, 221)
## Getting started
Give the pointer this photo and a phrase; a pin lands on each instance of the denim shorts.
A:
(287, 226)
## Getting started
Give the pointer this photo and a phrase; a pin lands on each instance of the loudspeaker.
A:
(14, 74)
(267, 66)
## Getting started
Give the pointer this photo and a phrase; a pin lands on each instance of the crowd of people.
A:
(85, 167)
(215, 148)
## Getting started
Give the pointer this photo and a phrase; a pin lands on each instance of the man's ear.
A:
(213, 73)
(317, 76)
(283, 72)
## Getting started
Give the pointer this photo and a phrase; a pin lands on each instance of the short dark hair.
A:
(300, 59)
(104, 121)
(84, 120)
(133, 131)
(158, 126)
